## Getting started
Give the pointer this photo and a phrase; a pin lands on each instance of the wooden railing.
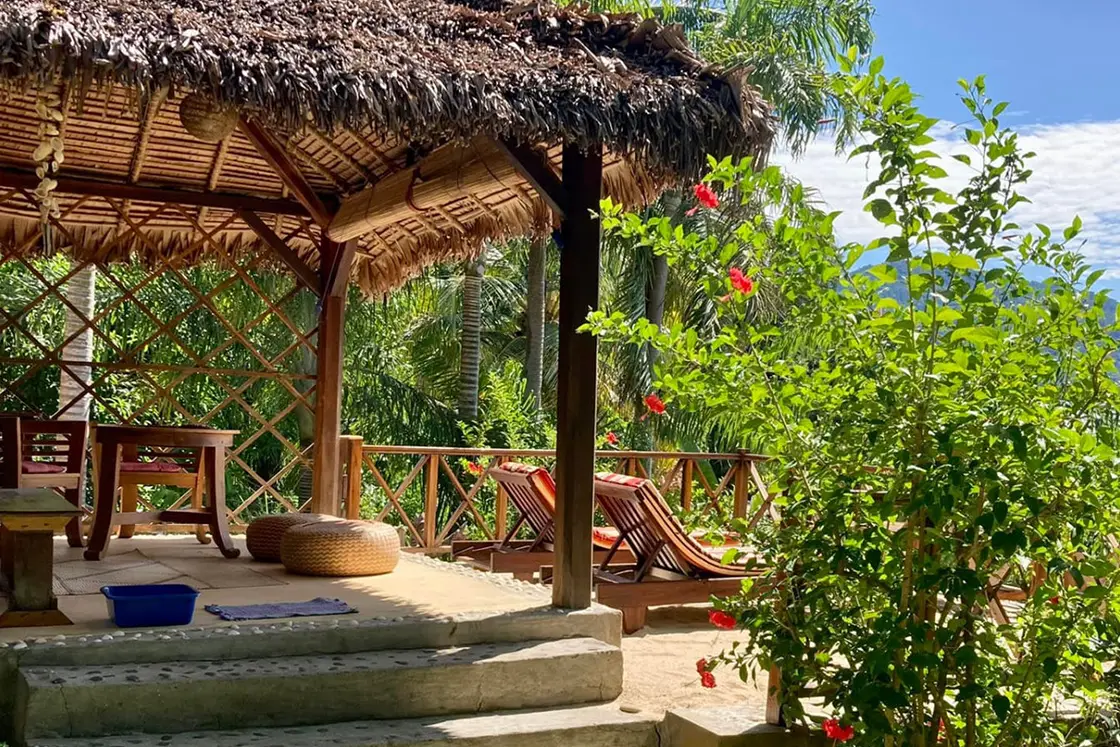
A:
(437, 492)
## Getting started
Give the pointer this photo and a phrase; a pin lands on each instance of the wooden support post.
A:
(742, 480)
(326, 495)
(577, 378)
(686, 484)
(431, 502)
(501, 506)
(353, 477)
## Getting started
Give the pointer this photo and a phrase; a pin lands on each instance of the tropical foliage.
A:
(939, 449)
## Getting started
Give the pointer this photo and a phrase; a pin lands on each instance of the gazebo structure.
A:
(345, 142)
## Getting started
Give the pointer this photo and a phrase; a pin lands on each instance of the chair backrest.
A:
(11, 456)
(533, 492)
(653, 533)
(185, 459)
(55, 443)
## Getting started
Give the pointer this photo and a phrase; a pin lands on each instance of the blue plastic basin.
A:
(151, 605)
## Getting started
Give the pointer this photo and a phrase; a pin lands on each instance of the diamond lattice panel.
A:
(229, 347)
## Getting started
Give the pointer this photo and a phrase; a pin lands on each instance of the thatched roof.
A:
(356, 90)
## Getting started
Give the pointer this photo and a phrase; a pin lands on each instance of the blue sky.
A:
(1055, 62)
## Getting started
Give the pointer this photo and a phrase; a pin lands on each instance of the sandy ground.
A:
(660, 663)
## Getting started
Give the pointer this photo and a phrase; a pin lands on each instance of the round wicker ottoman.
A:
(264, 534)
(341, 548)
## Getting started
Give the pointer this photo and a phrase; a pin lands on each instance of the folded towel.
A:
(313, 608)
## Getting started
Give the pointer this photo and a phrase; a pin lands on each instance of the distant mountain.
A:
(897, 291)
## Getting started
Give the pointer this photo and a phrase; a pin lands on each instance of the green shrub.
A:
(935, 445)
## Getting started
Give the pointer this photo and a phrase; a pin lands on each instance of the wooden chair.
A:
(11, 451)
(54, 456)
(172, 467)
(533, 492)
(670, 567)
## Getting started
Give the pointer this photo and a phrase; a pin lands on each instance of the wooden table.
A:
(109, 442)
(29, 519)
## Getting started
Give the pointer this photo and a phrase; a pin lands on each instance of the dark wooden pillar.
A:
(326, 485)
(577, 378)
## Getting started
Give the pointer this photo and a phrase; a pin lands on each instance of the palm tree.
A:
(534, 313)
(470, 350)
(789, 47)
(81, 292)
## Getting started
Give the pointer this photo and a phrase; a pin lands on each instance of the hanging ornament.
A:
(206, 119)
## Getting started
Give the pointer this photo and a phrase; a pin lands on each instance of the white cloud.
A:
(1076, 172)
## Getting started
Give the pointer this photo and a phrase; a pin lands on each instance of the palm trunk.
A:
(306, 317)
(534, 310)
(471, 340)
(73, 400)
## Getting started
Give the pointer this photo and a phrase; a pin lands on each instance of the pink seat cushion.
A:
(151, 467)
(42, 468)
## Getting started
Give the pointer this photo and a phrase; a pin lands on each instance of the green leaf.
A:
(880, 208)
(1002, 706)
(964, 262)
(979, 336)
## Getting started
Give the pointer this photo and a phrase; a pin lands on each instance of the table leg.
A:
(7, 559)
(130, 501)
(200, 532)
(32, 599)
(74, 526)
(215, 467)
(105, 499)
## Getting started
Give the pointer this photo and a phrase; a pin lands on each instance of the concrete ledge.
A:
(338, 635)
(589, 726)
(171, 697)
(730, 727)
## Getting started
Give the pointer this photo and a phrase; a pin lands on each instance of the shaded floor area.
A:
(418, 586)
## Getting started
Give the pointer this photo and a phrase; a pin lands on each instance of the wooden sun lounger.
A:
(533, 492)
(670, 566)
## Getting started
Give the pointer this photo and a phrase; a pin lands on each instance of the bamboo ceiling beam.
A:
(281, 161)
(18, 179)
(304, 274)
(335, 263)
(451, 171)
(533, 165)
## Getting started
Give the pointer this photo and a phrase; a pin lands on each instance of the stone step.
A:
(340, 635)
(585, 726)
(173, 697)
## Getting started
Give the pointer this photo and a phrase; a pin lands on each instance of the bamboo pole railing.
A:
(432, 472)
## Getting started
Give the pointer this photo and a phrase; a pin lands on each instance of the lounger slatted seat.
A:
(670, 566)
(533, 493)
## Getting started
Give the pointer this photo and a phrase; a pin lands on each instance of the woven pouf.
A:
(342, 548)
(264, 534)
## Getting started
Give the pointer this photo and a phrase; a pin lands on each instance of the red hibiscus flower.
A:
(707, 679)
(612, 439)
(475, 469)
(833, 730)
(655, 405)
(706, 196)
(722, 620)
(1055, 601)
(701, 666)
(740, 282)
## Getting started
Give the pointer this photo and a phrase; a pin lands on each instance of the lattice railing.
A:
(436, 493)
(229, 347)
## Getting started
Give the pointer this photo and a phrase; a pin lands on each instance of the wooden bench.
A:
(29, 519)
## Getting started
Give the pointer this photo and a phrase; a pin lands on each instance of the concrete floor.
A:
(660, 661)
(418, 586)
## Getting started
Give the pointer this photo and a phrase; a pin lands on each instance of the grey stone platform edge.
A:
(730, 726)
(172, 697)
(582, 726)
